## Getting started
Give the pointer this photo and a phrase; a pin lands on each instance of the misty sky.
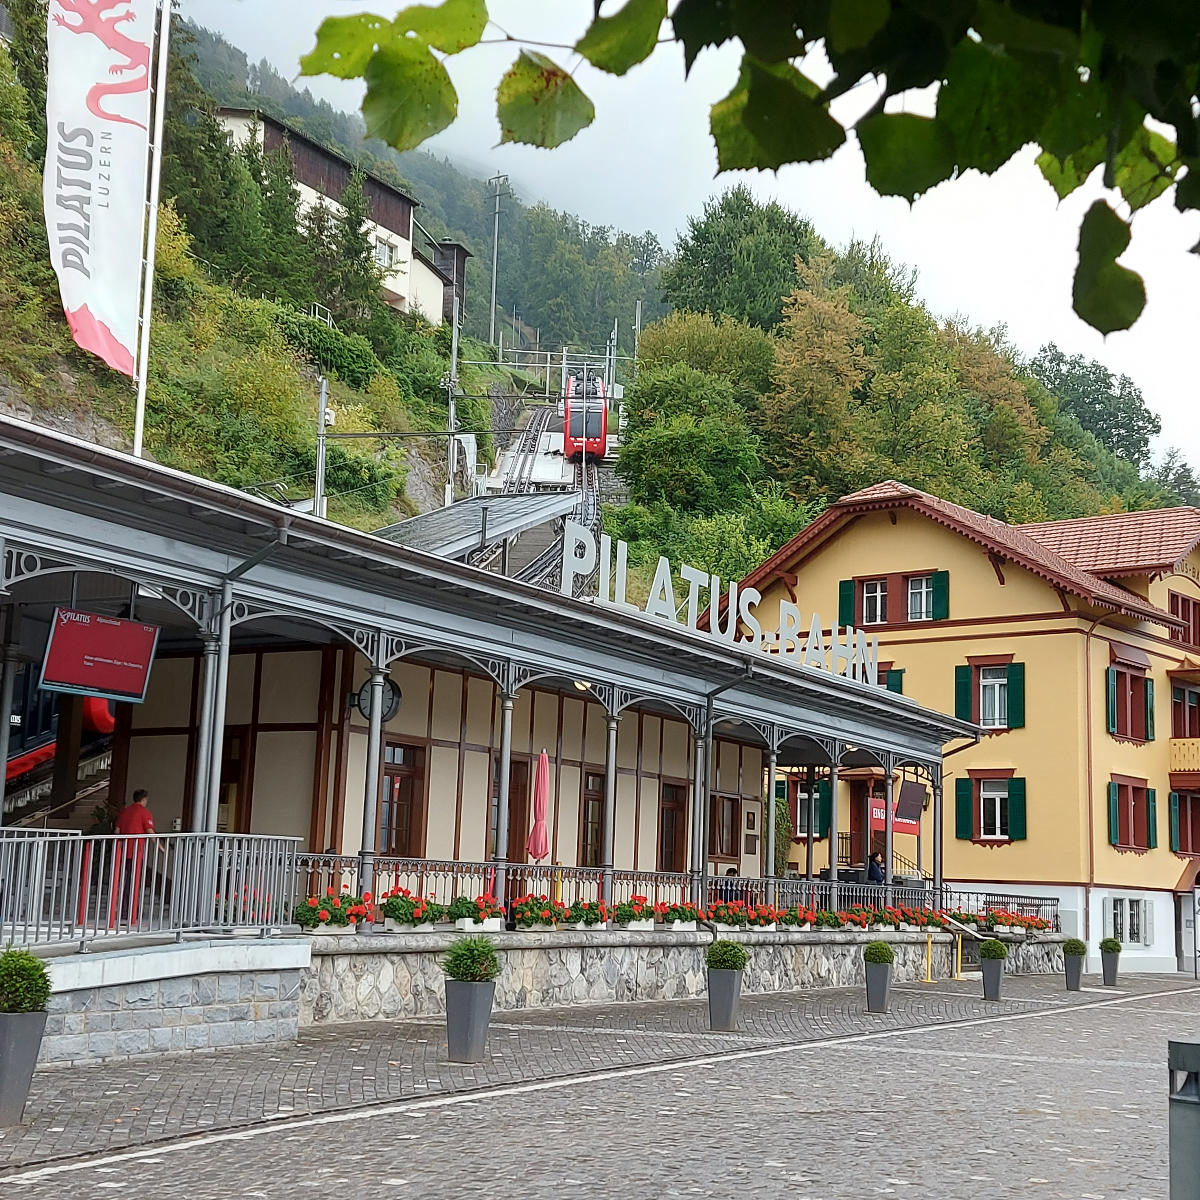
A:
(998, 250)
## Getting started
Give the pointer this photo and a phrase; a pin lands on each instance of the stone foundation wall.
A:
(367, 977)
(159, 1016)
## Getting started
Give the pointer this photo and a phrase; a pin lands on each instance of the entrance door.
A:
(401, 831)
(858, 818)
(672, 821)
(233, 803)
(518, 809)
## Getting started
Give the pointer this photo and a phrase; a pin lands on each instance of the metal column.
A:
(812, 820)
(204, 730)
(610, 806)
(706, 780)
(217, 743)
(501, 855)
(938, 882)
(833, 833)
(697, 807)
(8, 663)
(366, 853)
(889, 787)
(769, 821)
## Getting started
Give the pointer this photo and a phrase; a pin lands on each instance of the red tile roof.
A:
(1134, 543)
(1009, 542)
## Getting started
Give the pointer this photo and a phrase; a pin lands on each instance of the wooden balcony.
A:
(1185, 756)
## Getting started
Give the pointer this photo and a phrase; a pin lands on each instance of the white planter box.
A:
(728, 928)
(540, 927)
(802, 928)
(491, 925)
(764, 928)
(329, 930)
(682, 926)
(645, 926)
(401, 927)
(599, 926)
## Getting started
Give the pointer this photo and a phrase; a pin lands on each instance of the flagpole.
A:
(160, 109)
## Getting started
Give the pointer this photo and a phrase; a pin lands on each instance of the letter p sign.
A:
(579, 555)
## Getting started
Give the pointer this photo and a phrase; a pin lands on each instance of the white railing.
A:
(64, 887)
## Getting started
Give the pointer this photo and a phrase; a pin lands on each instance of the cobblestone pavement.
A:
(1051, 1095)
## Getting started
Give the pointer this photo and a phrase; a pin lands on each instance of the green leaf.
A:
(1187, 190)
(990, 104)
(768, 31)
(906, 154)
(616, 43)
(1072, 172)
(1107, 296)
(345, 45)
(701, 23)
(450, 27)
(1002, 25)
(1145, 167)
(540, 104)
(409, 95)
(772, 117)
(853, 23)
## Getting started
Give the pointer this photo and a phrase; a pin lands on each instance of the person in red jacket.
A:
(134, 822)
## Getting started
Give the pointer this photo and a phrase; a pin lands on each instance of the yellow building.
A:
(1076, 646)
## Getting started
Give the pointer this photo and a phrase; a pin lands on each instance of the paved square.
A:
(1046, 1094)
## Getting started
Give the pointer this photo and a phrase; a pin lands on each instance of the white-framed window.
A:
(993, 697)
(874, 602)
(801, 812)
(993, 809)
(1129, 919)
(385, 253)
(920, 598)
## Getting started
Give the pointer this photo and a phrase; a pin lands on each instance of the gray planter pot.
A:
(879, 983)
(724, 998)
(1074, 968)
(20, 1041)
(1108, 964)
(468, 1011)
(993, 969)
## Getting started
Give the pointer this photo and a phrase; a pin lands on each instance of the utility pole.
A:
(323, 415)
(500, 182)
(451, 395)
(637, 334)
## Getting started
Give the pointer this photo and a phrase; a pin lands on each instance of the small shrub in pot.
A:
(1074, 952)
(878, 958)
(992, 954)
(24, 994)
(1110, 956)
(726, 961)
(471, 966)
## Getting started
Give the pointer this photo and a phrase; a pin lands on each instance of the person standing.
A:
(134, 822)
(875, 872)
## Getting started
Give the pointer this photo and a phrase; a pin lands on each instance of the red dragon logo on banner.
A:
(101, 19)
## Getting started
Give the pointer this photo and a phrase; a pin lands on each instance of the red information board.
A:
(91, 655)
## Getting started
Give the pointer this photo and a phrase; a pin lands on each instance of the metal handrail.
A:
(58, 887)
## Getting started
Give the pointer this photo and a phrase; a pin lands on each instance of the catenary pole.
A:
(500, 181)
(160, 109)
(319, 487)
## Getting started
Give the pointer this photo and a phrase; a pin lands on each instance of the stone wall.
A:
(364, 978)
(159, 1016)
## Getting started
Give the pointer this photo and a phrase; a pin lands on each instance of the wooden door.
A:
(233, 801)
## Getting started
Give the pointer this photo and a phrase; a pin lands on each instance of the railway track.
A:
(546, 569)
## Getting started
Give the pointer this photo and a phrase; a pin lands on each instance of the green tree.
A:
(15, 128)
(739, 353)
(739, 259)
(1178, 479)
(27, 49)
(287, 258)
(353, 288)
(1108, 406)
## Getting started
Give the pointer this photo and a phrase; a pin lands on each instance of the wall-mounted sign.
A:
(91, 655)
(848, 651)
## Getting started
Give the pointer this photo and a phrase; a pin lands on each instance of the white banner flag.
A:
(94, 187)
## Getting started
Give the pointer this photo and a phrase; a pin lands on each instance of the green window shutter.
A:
(781, 789)
(1149, 710)
(941, 595)
(962, 693)
(1016, 695)
(1173, 809)
(846, 602)
(895, 681)
(964, 814)
(1151, 819)
(824, 807)
(1111, 676)
(1016, 810)
(1114, 819)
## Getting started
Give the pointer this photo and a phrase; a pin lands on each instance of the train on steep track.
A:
(585, 416)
